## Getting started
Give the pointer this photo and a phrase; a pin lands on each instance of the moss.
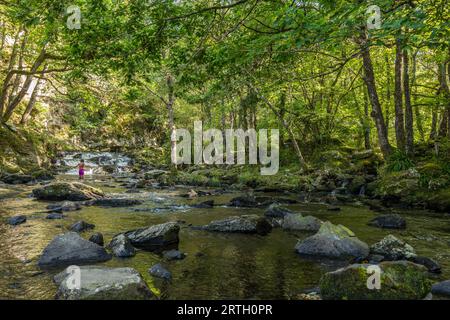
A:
(399, 280)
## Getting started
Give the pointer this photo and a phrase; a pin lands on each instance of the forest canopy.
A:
(135, 70)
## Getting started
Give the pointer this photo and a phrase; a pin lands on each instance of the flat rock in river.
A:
(101, 283)
(68, 249)
(74, 191)
(155, 238)
(240, 224)
(388, 221)
(333, 241)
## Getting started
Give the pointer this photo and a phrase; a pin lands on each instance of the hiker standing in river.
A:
(81, 169)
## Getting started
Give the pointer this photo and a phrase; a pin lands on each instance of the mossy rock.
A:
(61, 191)
(438, 201)
(336, 230)
(400, 280)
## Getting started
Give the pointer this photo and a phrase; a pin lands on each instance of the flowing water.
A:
(217, 266)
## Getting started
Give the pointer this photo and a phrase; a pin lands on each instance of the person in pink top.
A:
(81, 169)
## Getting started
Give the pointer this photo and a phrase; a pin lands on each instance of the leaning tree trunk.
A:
(377, 112)
(32, 102)
(170, 105)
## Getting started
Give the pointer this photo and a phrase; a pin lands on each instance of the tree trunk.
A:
(32, 102)
(417, 113)
(366, 126)
(398, 99)
(434, 121)
(388, 93)
(169, 105)
(377, 113)
(444, 91)
(409, 120)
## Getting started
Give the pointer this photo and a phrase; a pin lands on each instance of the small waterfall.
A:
(95, 162)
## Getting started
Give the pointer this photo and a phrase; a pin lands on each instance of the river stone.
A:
(153, 174)
(429, 263)
(441, 288)
(300, 223)
(277, 211)
(102, 283)
(16, 178)
(68, 249)
(244, 201)
(388, 221)
(204, 205)
(402, 280)
(97, 238)
(81, 226)
(121, 247)
(240, 224)
(174, 255)
(64, 206)
(335, 242)
(393, 249)
(155, 237)
(116, 202)
(16, 220)
(160, 272)
(55, 216)
(60, 191)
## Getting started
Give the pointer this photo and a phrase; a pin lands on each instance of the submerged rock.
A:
(335, 242)
(16, 220)
(240, 224)
(106, 202)
(55, 216)
(441, 288)
(388, 221)
(393, 249)
(102, 283)
(156, 237)
(160, 272)
(81, 226)
(244, 201)
(71, 249)
(97, 238)
(300, 223)
(204, 205)
(277, 211)
(16, 178)
(429, 263)
(64, 206)
(121, 247)
(174, 255)
(402, 280)
(74, 191)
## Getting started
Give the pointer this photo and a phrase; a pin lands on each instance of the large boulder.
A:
(402, 280)
(121, 247)
(335, 242)
(68, 249)
(299, 223)
(393, 249)
(101, 283)
(240, 224)
(60, 191)
(156, 237)
(441, 288)
(388, 221)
